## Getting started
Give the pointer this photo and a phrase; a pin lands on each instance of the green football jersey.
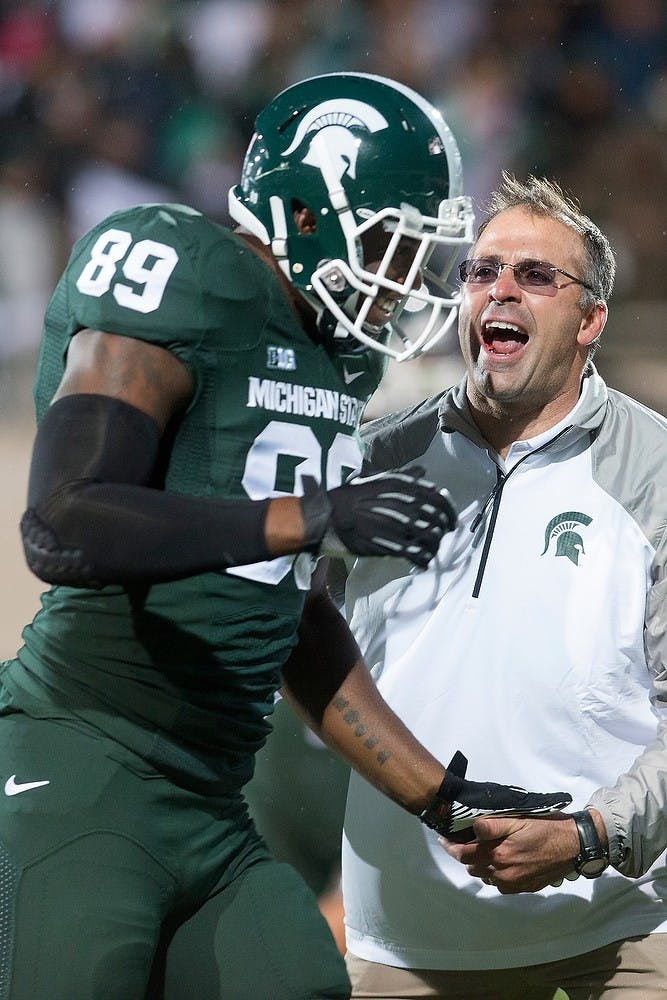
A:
(185, 672)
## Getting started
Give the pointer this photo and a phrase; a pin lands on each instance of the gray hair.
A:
(544, 197)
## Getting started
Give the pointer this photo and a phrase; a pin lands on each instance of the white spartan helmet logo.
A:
(334, 148)
(569, 542)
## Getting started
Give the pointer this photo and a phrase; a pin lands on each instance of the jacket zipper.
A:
(494, 499)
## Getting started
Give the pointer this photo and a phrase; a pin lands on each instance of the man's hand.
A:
(519, 855)
(395, 513)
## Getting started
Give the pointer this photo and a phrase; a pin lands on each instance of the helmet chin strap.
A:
(327, 324)
(330, 326)
(349, 307)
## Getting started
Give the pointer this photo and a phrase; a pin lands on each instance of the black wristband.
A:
(437, 814)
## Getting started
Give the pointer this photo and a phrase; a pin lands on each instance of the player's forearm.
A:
(328, 684)
(359, 725)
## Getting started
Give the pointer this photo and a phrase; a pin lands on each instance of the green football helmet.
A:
(365, 155)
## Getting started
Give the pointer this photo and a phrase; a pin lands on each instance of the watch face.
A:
(593, 867)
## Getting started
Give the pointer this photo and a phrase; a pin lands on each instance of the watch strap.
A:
(590, 845)
(588, 834)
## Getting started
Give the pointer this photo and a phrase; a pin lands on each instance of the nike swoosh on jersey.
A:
(350, 376)
(14, 787)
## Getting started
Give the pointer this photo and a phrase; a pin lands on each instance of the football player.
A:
(198, 397)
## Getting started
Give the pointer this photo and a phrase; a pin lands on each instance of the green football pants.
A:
(117, 885)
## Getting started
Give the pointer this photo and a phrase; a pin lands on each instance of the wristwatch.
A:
(592, 858)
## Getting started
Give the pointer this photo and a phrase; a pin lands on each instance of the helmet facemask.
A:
(409, 278)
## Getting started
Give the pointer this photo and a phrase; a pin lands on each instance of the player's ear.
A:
(304, 219)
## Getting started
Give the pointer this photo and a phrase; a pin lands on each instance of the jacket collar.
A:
(586, 416)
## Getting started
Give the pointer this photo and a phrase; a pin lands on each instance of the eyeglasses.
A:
(535, 275)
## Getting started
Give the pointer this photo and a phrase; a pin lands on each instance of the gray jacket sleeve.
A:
(635, 809)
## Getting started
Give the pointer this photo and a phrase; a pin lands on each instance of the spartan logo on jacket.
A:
(562, 529)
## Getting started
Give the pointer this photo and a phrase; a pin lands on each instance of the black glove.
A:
(458, 802)
(392, 514)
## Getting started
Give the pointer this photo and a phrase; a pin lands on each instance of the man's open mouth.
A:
(503, 338)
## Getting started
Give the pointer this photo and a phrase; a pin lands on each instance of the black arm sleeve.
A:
(325, 654)
(93, 517)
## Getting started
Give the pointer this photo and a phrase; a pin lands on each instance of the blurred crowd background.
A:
(115, 102)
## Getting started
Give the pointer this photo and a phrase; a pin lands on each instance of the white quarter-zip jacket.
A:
(536, 643)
